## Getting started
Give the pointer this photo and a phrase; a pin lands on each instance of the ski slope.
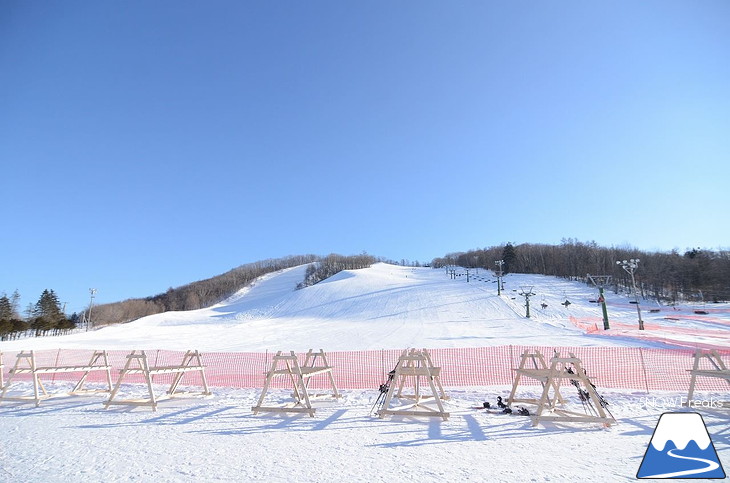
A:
(388, 306)
(219, 439)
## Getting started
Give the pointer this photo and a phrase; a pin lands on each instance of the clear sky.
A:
(146, 145)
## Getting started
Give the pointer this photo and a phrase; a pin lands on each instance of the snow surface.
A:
(217, 438)
(393, 307)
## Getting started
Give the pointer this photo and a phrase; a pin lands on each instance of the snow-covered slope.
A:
(219, 439)
(388, 306)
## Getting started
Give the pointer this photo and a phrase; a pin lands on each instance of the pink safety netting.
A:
(690, 337)
(608, 367)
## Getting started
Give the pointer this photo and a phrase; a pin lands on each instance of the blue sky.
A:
(146, 145)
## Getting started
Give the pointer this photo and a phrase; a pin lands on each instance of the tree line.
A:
(43, 318)
(333, 264)
(669, 277)
(205, 293)
(47, 318)
(696, 274)
(195, 295)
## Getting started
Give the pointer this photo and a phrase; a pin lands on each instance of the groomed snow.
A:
(219, 439)
(386, 307)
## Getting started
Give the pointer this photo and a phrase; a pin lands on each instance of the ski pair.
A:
(383, 391)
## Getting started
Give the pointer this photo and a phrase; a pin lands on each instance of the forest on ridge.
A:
(696, 275)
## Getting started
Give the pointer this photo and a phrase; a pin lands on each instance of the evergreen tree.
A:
(29, 311)
(509, 256)
(10, 324)
(19, 326)
(6, 308)
(6, 313)
(47, 313)
(15, 304)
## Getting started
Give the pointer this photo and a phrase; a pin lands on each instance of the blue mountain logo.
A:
(681, 448)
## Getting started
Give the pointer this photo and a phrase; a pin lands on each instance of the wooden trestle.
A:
(288, 366)
(26, 364)
(137, 363)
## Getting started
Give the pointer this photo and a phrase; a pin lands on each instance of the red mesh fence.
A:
(690, 337)
(608, 367)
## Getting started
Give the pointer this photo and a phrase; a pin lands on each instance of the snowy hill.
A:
(219, 439)
(388, 306)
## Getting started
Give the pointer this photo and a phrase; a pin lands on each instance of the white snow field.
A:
(218, 438)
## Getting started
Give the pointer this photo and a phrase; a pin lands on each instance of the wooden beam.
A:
(720, 372)
(137, 363)
(560, 369)
(299, 377)
(415, 365)
(26, 364)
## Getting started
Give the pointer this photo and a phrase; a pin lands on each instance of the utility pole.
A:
(92, 291)
(526, 291)
(601, 281)
(629, 266)
(499, 273)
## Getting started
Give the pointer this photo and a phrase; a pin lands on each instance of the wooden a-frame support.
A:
(720, 371)
(415, 365)
(560, 369)
(137, 363)
(26, 364)
(299, 376)
(537, 363)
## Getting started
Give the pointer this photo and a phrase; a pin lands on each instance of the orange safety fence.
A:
(634, 368)
(696, 338)
(704, 309)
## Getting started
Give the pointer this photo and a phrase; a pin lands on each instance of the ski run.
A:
(219, 438)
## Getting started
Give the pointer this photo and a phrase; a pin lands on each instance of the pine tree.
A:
(47, 313)
(510, 257)
(6, 312)
(6, 308)
(10, 323)
(15, 304)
